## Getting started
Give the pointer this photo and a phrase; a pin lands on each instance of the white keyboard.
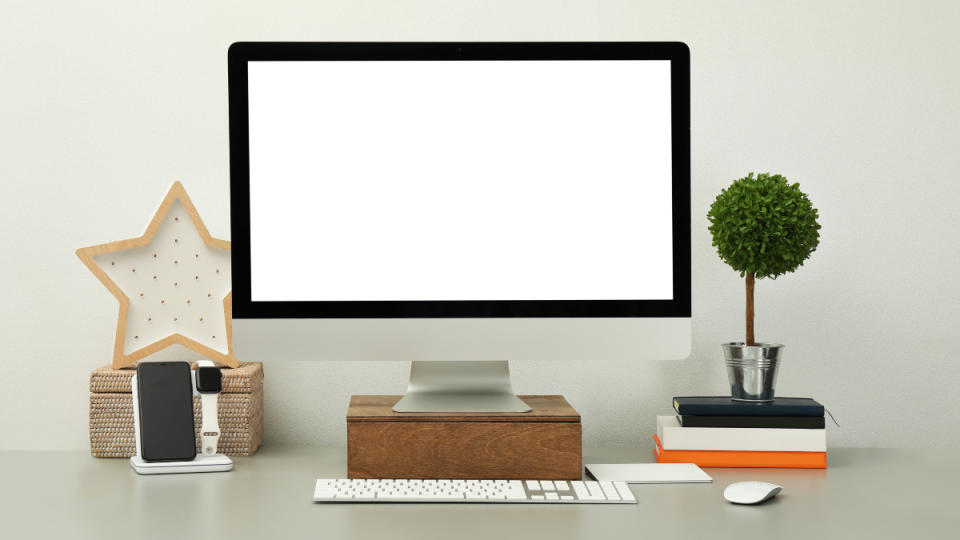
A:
(471, 491)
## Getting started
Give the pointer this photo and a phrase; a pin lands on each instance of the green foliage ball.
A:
(764, 225)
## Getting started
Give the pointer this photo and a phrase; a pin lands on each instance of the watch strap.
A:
(209, 423)
(210, 426)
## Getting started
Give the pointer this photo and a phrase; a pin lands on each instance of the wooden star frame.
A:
(181, 292)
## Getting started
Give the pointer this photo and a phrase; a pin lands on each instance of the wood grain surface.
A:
(379, 409)
(542, 444)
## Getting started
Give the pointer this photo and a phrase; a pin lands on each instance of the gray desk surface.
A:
(865, 493)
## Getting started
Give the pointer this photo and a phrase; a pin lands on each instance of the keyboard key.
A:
(547, 485)
(533, 485)
(624, 490)
(566, 497)
(552, 496)
(581, 490)
(609, 491)
(596, 494)
(562, 486)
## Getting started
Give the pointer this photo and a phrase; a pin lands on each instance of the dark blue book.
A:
(775, 422)
(724, 406)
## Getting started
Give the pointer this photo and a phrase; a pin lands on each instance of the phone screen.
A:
(165, 396)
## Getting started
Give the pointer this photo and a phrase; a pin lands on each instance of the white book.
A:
(673, 436)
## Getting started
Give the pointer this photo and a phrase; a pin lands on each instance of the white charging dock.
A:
(199, 464)
(214, 463)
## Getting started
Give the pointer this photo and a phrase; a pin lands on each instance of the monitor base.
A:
(474, 386)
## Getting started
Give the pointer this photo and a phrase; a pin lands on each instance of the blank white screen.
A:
(470, 180)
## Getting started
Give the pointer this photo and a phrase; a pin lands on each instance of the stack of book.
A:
(720, 432)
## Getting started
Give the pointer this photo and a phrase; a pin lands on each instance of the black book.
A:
(789, 422)
(724, 406)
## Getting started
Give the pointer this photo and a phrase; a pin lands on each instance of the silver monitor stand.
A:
(471, 386)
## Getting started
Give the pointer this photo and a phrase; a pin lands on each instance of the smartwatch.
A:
(209, 383)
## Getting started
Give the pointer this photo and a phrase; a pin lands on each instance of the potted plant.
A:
(763, 227)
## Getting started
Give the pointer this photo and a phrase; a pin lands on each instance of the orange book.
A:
(724, 458)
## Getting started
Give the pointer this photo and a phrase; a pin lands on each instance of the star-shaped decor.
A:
(173, 285)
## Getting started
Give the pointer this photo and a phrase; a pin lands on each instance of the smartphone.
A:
(165, 401)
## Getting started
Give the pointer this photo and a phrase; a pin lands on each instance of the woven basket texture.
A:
(239, 411)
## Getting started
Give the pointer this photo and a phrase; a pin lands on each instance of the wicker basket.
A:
(240, 412)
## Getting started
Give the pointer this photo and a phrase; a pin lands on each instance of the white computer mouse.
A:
(750, 492)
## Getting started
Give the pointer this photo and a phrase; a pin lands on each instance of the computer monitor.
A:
(466, 202)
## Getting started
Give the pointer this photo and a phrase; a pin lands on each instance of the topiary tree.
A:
(763, 227)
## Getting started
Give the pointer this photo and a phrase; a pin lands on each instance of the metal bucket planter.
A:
(752, 370)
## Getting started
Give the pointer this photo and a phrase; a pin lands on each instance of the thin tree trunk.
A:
(750, 337)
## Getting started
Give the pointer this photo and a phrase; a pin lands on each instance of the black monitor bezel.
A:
(242, 52)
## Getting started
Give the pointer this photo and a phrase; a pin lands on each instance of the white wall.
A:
(103, 104)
